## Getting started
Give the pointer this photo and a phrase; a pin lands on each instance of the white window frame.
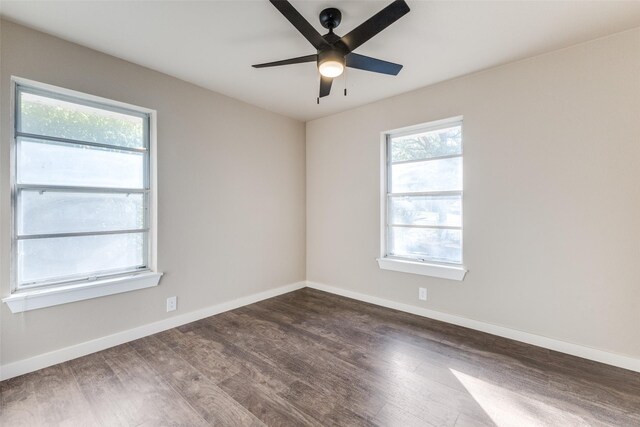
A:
(61, 291)
(394, 263)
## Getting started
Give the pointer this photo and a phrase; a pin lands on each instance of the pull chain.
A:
(345, 81)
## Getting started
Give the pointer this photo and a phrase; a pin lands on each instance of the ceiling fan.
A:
(335, 52)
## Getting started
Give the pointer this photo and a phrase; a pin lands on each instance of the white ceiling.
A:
(214, 43)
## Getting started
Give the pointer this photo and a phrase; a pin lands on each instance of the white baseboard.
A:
(601, 356)
(24, 366)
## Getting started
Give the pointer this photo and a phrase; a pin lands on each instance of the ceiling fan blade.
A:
(367, 63)
(301, 24)
(298, 60)
(325, 85)
(375, 24)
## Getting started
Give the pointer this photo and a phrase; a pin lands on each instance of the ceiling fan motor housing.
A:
(331, 55)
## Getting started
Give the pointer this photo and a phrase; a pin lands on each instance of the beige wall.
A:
(551, 204)
(231, 194)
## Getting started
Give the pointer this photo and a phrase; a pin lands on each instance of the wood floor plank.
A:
(259, 369)
(270, 408)
(392, 381)
(400, 379)
(378, 328)
(208, 355)
(322, 406)
(123, 390)
(443, 374)
(19, 402)
(466, 421)
(349, 343)
(60, 401)
(105, 393)
(309, 363)
(211, 402)
(392, 415)
(148, 388)
(402, 386)
(601, 403)
(309, 358)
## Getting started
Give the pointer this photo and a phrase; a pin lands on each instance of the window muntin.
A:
(424, 194)
(81, 189)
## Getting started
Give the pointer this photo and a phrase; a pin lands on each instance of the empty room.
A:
(320, 213)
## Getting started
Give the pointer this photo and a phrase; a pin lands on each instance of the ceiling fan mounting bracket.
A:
(330, 18)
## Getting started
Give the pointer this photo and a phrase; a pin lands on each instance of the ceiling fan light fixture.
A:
(331, 68)
(331, 63)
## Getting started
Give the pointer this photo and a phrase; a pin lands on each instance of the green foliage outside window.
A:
(427, 145)
(80, 124)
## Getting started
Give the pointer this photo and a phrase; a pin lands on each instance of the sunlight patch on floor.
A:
(508, 408)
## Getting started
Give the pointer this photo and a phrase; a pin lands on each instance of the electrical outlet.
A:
(172, 303)
(422, 294)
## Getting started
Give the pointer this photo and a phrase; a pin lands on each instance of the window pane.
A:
(425, 145)
(51, 117)
(45, 162)
(64, 212)
(46, 259)
(431, 175)
(426, 210)
(426, 243)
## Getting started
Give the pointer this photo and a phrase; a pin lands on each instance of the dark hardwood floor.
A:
(311, 358)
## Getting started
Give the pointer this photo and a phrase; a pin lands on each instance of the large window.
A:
(81, 189)
(423, 194)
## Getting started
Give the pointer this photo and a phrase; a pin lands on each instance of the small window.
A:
(423, 195)
(81, 186)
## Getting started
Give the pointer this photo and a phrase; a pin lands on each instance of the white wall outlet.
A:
(422, 294)
(172, 303)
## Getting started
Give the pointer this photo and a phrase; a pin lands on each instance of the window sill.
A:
(422, 268)
(41, 298)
